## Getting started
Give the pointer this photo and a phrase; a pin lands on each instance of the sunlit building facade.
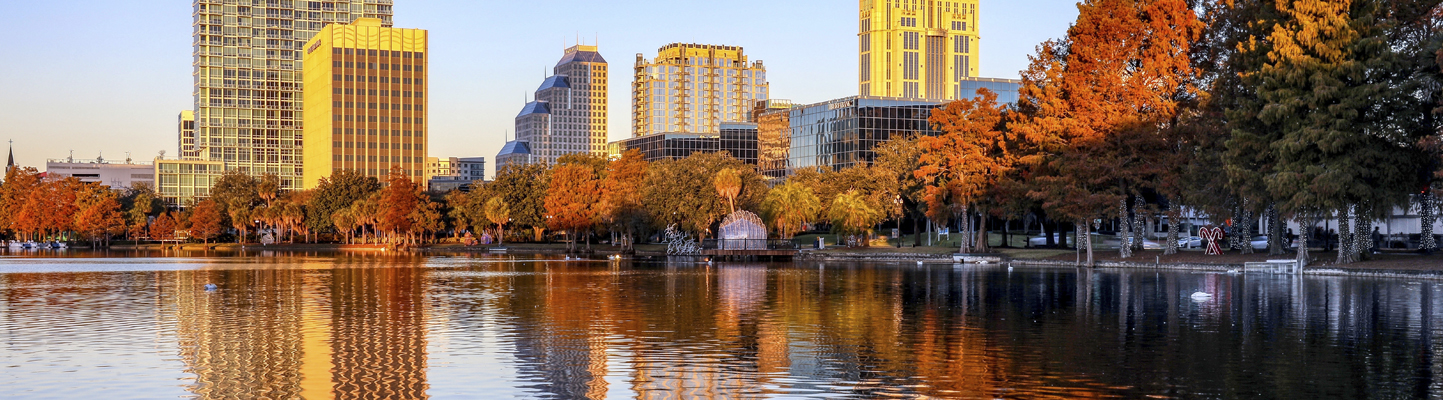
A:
(365, 98)
(247, 69)
(694, 88)
(183, 182)
(568, 114)
(185, 132)
(917, 49)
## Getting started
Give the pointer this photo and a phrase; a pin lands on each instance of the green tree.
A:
(683, 191)
(1337, 114)
(851, 215)
(524, 188)
(790, 207)
(337, 192)
(498, 212)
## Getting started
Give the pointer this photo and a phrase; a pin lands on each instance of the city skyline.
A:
(127, 99)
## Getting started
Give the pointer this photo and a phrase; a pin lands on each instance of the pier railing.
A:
(748, 244)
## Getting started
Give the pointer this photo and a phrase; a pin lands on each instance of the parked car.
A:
(1038, 241)
(1191, 242)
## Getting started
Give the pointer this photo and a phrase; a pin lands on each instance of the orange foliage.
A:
(399, 199)
(571, 197)
(205, 220)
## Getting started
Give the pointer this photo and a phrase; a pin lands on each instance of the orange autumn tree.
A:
(206, 221)
(99, 214)
(620, 207)
(963, 164)
(571, 199)
(1092, 105)
(398, 201)
(163, 228)
(20, 182)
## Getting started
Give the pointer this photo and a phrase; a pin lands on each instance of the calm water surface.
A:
(373, 326)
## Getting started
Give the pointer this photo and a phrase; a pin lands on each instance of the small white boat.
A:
(1201, 297)
(13, 245)
(58, 245)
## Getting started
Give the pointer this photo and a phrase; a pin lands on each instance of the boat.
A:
(58, 245)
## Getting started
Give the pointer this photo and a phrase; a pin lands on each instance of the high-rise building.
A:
(185, 130)
(365, 101)
(918, 49)
(247, 72)
(694, 88)
(568, 115)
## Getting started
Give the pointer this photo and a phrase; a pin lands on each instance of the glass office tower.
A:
(247, 71)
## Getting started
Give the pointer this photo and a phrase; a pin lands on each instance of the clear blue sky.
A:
(110, 76)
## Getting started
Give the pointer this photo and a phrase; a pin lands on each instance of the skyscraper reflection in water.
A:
(356, 332)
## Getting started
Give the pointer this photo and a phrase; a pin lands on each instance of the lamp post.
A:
(898, 231)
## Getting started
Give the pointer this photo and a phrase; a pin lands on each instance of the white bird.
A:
(1200, 296)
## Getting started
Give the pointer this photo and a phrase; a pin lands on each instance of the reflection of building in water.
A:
(379, 334)
(245, 340)
(294, 333)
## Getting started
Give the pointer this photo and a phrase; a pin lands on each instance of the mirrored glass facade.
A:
(841, 133)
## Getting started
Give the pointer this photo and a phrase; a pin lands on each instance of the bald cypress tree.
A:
(1338, 117)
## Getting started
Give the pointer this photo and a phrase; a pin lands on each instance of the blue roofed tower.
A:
(568, 114)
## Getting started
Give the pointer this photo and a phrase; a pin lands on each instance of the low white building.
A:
(116, 175)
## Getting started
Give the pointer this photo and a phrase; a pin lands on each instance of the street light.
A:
(898, 232)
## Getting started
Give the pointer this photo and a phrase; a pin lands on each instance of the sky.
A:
(109, 77)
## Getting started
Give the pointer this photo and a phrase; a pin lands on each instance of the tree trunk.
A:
(916, 232)
(1139, 223)
(964, 230)
(1426, 242)
(1277, 237)
(1305, 226)
(1124, 231)
(1243, 228)
(982, 243)
(1363, 243)
(1345, 237)
(1084, 239)
(1174, 222)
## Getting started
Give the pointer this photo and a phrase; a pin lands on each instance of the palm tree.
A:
(850, 213)
(499, 213)
(791, 206)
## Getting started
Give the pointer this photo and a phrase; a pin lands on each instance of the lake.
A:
(383, 326)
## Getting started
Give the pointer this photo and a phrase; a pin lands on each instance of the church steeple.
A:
(11, 162)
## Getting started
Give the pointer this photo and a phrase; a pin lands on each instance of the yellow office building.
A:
(918, 49)
(365, 101)
(694, 88)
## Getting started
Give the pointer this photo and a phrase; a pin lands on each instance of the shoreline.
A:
(1400, 265)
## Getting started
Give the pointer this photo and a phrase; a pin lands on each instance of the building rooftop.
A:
(555, 81)
(535, 107)
(581, 54)
(515, 147)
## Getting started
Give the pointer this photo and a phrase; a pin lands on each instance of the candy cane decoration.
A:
(1213, 235)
